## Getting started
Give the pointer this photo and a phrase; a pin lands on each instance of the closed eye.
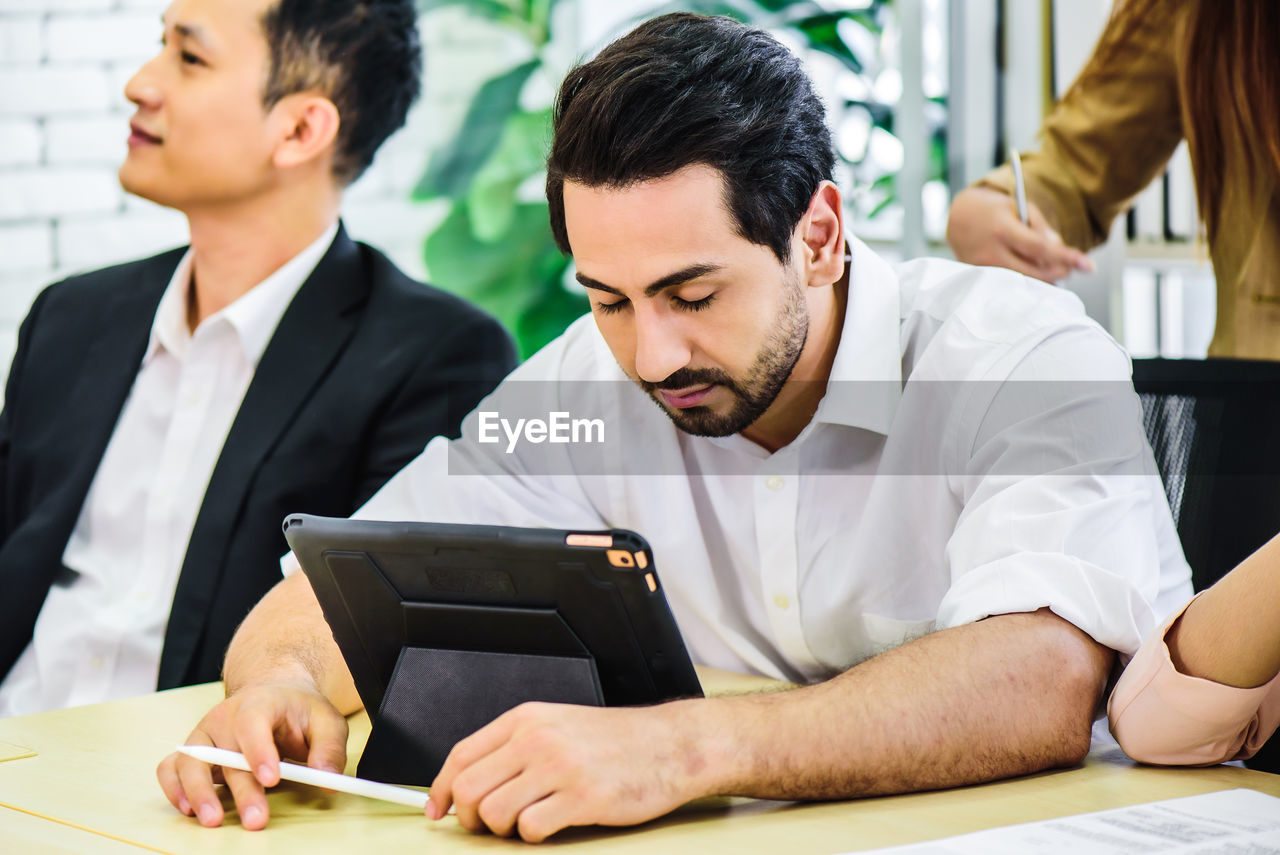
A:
(611, 308)
(185, 56)
(693, 305)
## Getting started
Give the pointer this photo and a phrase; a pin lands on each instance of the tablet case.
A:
(446, 627)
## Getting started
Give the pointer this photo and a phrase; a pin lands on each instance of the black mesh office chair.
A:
(1214, 427)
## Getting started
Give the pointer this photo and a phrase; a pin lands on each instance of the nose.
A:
(661, 346)
(142, 89)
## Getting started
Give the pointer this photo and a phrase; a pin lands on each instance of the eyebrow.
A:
(671, 280)
(193, 32)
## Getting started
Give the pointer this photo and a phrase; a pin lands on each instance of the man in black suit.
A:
(163, 416)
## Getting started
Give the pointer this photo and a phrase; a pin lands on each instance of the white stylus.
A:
(315, 777)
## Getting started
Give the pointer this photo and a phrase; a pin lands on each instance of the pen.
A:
(315, 777)
(1019, 186)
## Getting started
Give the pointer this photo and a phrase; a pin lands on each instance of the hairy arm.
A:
(1006, 696)
(285, 640)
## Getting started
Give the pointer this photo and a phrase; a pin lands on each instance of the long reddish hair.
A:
(1228, 77)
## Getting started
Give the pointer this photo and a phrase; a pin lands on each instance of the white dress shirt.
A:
(99, 634)
(979, 451)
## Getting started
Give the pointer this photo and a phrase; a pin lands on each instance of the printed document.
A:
(1230, 822)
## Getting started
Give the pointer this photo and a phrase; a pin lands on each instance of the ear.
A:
(820, 235)
(307, 130)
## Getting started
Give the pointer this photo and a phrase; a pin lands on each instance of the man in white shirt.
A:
(163, 416)
(923, 491)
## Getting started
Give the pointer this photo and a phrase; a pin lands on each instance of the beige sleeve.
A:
(1109, 136)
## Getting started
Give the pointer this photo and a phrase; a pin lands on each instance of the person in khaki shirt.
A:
(1163, 70)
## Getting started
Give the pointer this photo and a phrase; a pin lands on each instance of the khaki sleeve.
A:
(1110, 135)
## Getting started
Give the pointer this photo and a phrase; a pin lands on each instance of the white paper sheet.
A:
(1230, 822)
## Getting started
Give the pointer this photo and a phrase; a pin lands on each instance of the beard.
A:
(753, 393)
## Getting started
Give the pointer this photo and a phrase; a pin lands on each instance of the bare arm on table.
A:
(1006, 696)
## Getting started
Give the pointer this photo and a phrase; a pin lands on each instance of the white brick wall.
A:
(110, 35)
(84, 140)
(7, 6)
(64, 121)
(26, 247)
(50, 90)
(19, 142)
(21, 40)
(46, 193)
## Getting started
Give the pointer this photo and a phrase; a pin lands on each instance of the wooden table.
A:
(90, 787)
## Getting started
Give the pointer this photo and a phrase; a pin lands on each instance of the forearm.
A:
(285, 639)
(1231, 633)
(1011, 695)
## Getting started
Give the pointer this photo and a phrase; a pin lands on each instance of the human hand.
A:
(541, 767)
(983, 228)
(264, 723)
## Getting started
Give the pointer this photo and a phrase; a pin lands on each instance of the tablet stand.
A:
(437, 697)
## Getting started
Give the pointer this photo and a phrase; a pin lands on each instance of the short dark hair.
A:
(364, 55)
(687, 89)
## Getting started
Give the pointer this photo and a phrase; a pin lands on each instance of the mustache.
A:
(686, 377)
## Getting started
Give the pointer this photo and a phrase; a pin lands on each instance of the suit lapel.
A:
(117, 332)
(311, 334)
(109, 368)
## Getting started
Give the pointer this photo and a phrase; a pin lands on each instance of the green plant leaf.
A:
(821, 32)
(888, 185)
(522, 148)
(484, 8)
(817, 24)
(453, 167)
(520, 154)
(554, 309)
(496, 249)
(490, 206)
(511, 277)
(538, 13)
(939, 168)
(741, 10)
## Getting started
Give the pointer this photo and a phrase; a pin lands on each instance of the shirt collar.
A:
(169, 329)
(254, 316)
(865, 384)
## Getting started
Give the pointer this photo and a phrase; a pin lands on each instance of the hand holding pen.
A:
(995, 229)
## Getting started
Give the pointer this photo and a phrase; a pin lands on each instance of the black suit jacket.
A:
(365, 367)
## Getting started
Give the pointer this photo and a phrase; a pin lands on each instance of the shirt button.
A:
(782, 602)
(774, 482)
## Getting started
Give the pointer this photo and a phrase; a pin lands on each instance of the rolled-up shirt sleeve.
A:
(1062, 505)
(1160, 715)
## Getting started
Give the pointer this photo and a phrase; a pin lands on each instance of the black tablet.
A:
(445, 627)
